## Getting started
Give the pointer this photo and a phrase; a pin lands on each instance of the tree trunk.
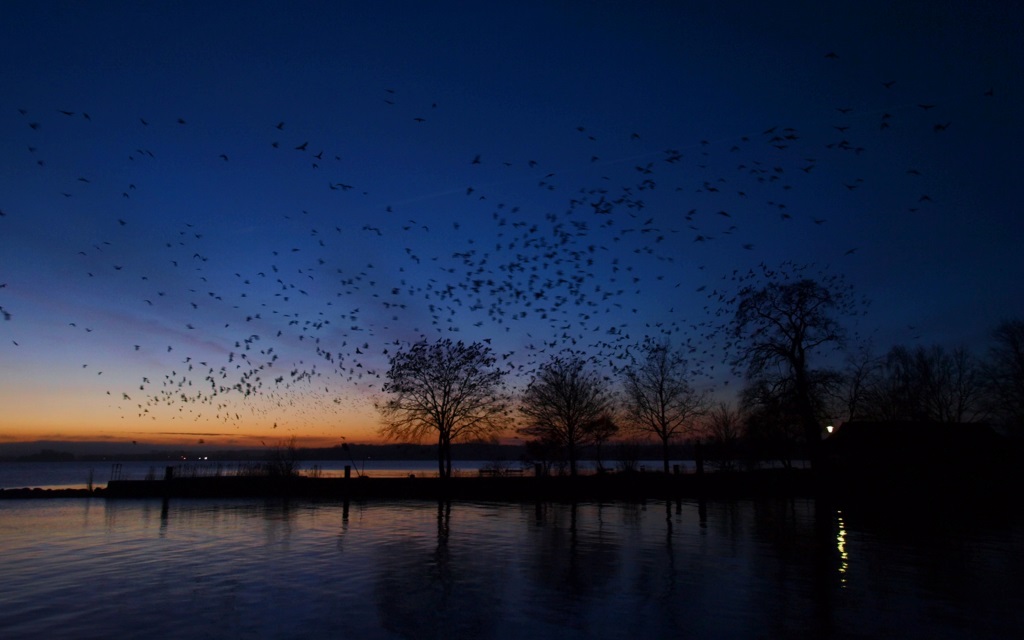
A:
(811, 428)
(442, 456)
(447, 457)
(664, 453)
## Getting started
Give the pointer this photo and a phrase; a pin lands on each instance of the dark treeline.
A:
(787, 337)
(914, 389)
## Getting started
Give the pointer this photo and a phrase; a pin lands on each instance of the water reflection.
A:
(844, 557)
(770, 568)
(574, 557)
(165, 511)
(427, 589)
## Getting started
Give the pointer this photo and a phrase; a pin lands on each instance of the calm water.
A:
(89, 568)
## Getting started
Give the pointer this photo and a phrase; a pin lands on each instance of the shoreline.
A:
(596, 486)
(792, 483)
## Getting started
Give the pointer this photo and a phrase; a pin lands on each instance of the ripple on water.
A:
(247, 568)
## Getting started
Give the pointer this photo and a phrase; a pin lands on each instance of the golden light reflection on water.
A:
(844, 557)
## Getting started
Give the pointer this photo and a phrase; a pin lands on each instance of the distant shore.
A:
(36, 492)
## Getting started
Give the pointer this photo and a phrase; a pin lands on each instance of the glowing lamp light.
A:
(829, 428)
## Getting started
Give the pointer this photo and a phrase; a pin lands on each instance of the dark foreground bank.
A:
(991, 488)
(590, 487)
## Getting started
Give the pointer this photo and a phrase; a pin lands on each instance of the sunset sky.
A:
(219, 218)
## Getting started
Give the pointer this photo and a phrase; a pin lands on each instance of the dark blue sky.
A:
(265, 196)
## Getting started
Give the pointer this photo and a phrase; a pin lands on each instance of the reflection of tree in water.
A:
(659, 575)
(667, 580)
(277, 522)
(799, 572)
(430, 590)
(276, 517)
(574, 559)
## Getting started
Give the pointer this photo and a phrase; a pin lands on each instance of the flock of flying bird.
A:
(593, 255)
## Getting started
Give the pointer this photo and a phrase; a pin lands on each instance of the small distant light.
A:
(829, 428)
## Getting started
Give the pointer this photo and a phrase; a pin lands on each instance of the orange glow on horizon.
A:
(88, 418)
(73, 411)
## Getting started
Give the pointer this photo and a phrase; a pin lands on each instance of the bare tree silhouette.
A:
(564, 403)
(1004, 375)
(659, 397)
(778, 325)
(446, 387)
